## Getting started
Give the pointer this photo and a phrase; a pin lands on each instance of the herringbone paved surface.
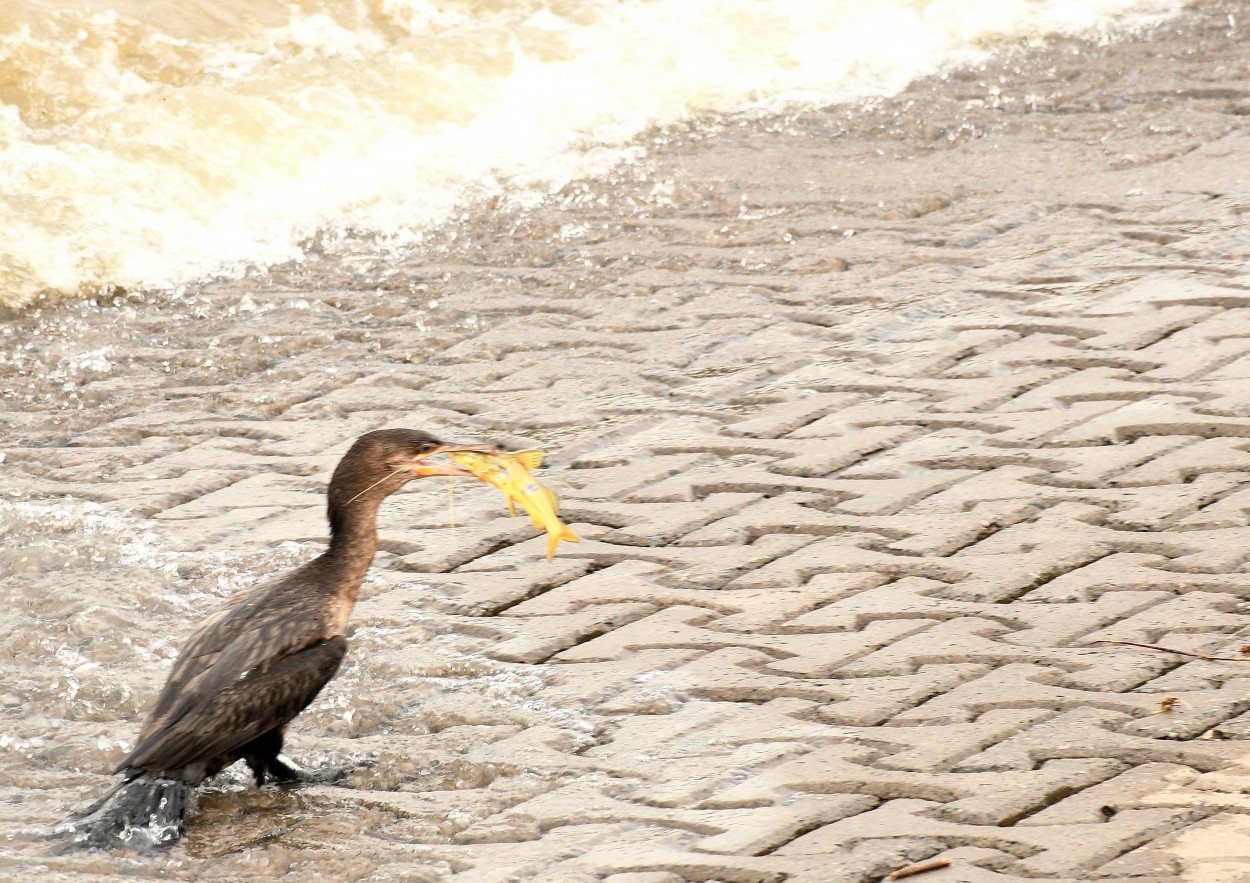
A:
(872, 437)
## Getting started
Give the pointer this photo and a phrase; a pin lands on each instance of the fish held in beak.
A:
(510, 474)
(425, 467)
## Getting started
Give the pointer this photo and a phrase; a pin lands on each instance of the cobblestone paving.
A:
(867, 460)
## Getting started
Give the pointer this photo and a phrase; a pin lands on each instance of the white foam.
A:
(157, 143)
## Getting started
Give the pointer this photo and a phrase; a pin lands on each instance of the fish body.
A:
(511, 474)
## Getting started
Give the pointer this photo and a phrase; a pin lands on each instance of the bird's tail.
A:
(145, 814)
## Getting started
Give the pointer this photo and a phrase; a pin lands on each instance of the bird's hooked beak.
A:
(424, 467)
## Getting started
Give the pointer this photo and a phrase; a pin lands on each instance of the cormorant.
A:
(259, 659)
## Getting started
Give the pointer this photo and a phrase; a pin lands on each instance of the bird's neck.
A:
(353, 543)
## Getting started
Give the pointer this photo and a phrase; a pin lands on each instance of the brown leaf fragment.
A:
(923, 868)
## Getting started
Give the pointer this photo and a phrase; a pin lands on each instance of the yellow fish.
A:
(510, 473)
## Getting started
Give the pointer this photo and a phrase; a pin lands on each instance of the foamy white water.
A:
(150, 143)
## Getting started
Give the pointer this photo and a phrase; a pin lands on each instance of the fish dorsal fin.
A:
(529, 459)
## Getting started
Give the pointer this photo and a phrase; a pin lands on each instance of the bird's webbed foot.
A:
(279, 769)
(286, 770)
(283, 770)
(335, 773)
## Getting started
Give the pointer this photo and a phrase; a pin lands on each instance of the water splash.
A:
(150, 144)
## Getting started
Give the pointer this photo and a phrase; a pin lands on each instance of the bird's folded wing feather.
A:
(221, 721)
(234, 642)
(203, 648)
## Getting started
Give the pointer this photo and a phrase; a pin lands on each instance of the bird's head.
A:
(381, 462)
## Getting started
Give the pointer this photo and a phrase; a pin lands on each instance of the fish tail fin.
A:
(553, 539)
(147, 814)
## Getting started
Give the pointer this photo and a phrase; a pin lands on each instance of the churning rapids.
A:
(147, 144)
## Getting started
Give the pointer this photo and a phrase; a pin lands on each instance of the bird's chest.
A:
(338, 612)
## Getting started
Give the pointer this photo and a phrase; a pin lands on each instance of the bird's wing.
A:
(253, 633)
(202, 650)
(219, 722)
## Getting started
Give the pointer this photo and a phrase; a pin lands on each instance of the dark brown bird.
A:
(260, 659)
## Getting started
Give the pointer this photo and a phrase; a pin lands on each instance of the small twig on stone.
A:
(1205, 656)
(913, 870)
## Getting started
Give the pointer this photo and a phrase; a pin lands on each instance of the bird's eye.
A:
(424, 448)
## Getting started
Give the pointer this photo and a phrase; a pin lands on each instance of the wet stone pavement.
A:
(873, 429)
